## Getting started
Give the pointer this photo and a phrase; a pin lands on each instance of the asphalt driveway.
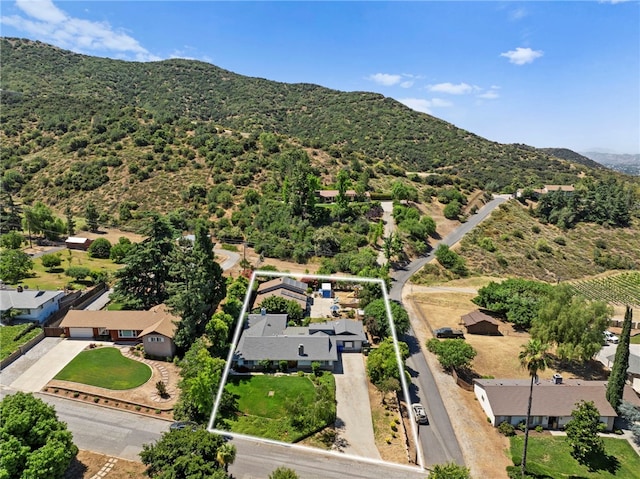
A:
(353, 414)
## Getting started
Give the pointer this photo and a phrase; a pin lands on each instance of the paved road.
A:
(438, 439)
(353, 418)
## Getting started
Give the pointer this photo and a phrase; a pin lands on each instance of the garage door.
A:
(81, 332)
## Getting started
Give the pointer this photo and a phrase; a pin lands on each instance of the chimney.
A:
(300, 349)
(557, 379)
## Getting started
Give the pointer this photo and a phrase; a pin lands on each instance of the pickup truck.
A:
(448, 333)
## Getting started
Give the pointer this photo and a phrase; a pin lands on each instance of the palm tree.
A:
(533, 357)
(226, 455)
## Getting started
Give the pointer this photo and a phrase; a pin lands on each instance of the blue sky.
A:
(547, 74)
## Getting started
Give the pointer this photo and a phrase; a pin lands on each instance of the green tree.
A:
(78, 273)
(142, 283)
(35, 443)
(452, 353)
(618, 376)
(10, 213)
(283, 472)
(11, 240)
(533, 357)
(120, 250)
(51, 260)
(392, 246)
(226, 455)
(71, 225)
(571, 322)
(377, 321)
(582, 433)
(386, 386)
(40, 220)
(196, 287)
(452, 210)
(14, 265)
(100, 248)
(451, 260)
(450, 470)
(280, 305)
(217, 331)
(382, 363)
(184, 454)
(91, 216)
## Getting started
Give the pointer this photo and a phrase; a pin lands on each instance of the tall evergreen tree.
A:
(142, 283)
(71, 225)
(91, 215)
(10, 214)
(618, 376)
(196, 288)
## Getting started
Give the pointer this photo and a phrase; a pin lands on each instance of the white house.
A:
(505, 400)
(33, 305)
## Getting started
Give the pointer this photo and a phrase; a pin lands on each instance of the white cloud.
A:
(489, 95)
(452, 89)
(48, 23)
(385, 79)
(518, 14)
(424, 105)
(522, 56)
(407, 84)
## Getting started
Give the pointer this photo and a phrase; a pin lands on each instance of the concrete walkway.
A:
(43, 371)
(353, 414)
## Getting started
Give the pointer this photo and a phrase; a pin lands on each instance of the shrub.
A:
(543, 246)
(535, 229)
(161, 387)
(507, 429)
(76, 394)
(539, 428)
(487, 244)
(560, 240)
(96, 399)
(100, 248)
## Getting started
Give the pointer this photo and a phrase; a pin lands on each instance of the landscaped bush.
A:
(506, 429)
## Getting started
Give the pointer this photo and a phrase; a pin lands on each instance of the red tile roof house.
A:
(505, 400)
(331, 196)
(155, 328)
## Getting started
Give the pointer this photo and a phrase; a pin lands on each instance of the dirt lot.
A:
(87, 464)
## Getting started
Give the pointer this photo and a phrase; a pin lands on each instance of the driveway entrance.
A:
(353, 413)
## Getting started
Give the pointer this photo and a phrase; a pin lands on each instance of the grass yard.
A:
(266, 405)
(105, 368)
(57, 280)
(11, 339)
(550, 456)
(635, 339)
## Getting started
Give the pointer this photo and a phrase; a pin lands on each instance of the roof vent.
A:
(557, 379)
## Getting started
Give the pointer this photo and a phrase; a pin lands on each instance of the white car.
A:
(611, 338)
(420, 414)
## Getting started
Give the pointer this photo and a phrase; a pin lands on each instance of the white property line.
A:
(403, 379)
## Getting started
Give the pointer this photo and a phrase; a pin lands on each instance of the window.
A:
(126, 333)
(155, 339)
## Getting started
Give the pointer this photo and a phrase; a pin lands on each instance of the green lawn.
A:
(267, 405)
(8, 341)
(56, 279)
(550, 456)
(106, 368)
(635, 339)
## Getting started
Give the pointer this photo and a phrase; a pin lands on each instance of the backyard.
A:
(550, 456)
(105, 368)
(286, 408)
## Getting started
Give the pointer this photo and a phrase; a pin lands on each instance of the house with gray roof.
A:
(267, 337)
(633, 370)
(33, 305)
(505, 400)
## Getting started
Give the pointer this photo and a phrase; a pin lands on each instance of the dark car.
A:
(184, 425)
(448, 333)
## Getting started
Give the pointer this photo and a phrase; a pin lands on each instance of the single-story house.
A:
(478, 322)
(331, 196)
(154, 328)
(283, 282)
(505, 400)
(301, 299)
(33, 305)
(633, 372)
(78, 242)
(267, 337)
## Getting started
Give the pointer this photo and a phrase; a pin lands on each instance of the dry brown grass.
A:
(87, 464)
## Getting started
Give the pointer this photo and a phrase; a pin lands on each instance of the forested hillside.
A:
(60, 107)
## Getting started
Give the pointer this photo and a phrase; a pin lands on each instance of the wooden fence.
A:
(21, 350)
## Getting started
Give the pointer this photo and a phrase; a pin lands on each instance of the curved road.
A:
(438, 439)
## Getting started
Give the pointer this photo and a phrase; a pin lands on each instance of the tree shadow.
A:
(591, 370)
(76, 469)
(602, 462)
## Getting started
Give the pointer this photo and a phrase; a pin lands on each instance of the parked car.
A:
(420, 413)
(184, 425)
(449, 333)
(611, 338)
